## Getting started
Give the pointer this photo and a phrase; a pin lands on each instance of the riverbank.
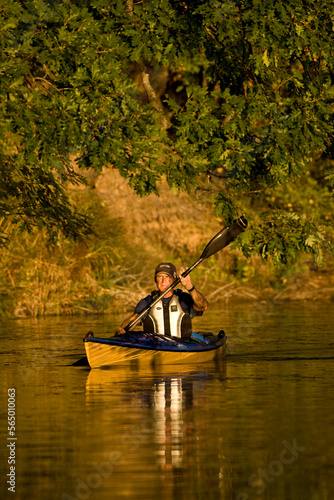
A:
(112, 271)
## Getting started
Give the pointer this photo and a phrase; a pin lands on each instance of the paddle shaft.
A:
(223, 238)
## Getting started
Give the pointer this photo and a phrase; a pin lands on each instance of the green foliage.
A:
(66, 102)
(248, 97)
(330, 178)
(282, 236)
(224, 205)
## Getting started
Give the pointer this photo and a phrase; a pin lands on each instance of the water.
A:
(258, 426)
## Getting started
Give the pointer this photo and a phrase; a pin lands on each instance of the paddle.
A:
(223, 238)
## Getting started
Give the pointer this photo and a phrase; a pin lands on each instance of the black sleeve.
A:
(143, 304)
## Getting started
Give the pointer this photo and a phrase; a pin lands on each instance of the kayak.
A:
(150, 349)
(153, 349)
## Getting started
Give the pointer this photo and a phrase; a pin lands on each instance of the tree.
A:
(247, 103)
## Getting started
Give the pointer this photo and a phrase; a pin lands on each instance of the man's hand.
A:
(186, 282)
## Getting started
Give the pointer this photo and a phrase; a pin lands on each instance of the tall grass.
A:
(39, 279)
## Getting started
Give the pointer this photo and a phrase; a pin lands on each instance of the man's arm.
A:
(200, 302)
(142, 304)
(125, 323)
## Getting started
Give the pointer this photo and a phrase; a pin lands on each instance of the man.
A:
(173, 313)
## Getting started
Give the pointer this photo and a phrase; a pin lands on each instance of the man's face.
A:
(164, 281)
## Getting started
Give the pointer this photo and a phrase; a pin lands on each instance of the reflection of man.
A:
(169, 400)
(173, 313)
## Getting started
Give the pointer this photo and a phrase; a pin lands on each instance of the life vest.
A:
(168, 319)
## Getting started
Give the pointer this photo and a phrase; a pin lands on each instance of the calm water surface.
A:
(260, 425)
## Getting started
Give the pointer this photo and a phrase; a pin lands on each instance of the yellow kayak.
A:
(149, 349)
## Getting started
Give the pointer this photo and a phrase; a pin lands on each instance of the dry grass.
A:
(308, 288)
(172, 222)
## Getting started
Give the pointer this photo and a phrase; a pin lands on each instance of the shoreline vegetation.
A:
(230, 104)
(111, 272)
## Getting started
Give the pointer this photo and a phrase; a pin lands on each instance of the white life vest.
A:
(168, 319)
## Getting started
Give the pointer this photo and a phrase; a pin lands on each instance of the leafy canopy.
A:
(248, 99)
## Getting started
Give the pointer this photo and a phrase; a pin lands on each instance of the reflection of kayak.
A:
(137, 382)
(152, 349)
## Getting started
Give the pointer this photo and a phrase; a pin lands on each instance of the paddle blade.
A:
(224, 237)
